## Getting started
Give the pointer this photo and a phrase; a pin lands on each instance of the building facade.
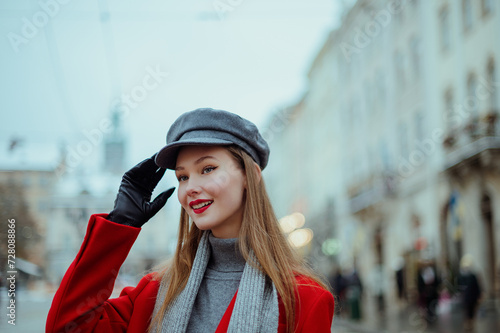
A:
(392, 154)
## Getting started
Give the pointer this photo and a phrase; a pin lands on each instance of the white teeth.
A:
(203, 204)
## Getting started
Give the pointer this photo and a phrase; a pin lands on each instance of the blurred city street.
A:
(382, 118)
(33, 308)
(31, 311)
(410, 321)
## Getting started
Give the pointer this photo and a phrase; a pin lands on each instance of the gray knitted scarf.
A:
(255, 310)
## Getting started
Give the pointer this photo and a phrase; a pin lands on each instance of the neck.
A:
(225, 255)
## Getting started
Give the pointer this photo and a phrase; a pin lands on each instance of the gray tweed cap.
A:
(210, 127)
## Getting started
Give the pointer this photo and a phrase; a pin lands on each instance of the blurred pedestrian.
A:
(353, 294)
(399, 273)
(378, 287)
(232, 260)
(339, 284)
(470, 290)
(428, 283)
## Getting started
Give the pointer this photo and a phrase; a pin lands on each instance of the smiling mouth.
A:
(201, 207)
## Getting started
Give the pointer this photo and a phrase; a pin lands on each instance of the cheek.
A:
(218, 183)
(181, 196)
(236, 191)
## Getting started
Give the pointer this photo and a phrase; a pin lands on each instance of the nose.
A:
(193, 187)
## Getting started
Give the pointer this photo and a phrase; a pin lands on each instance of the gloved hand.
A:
(132, 204)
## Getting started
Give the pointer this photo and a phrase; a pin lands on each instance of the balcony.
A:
(478, 139)
(371, 191)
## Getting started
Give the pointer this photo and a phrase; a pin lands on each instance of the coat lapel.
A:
(226, 318)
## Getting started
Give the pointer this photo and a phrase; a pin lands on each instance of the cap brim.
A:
(167, 156)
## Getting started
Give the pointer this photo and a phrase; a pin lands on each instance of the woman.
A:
(233, 270)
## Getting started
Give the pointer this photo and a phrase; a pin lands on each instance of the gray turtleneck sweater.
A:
(221, 280)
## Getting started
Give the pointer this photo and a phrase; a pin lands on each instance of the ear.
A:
(258, 175)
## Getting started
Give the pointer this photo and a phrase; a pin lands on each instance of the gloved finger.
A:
(148, 166)
(157, 176)
(160, 201)
(152, 180)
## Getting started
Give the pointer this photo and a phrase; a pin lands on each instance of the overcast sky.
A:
(64, 65)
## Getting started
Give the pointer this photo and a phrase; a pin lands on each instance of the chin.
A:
(203, 226)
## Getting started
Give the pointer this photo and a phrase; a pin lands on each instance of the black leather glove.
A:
(132, 205)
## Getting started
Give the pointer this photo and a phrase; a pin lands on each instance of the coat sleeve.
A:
(315, 311)
(81, 302)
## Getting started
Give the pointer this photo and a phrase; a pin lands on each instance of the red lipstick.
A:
(199, 202)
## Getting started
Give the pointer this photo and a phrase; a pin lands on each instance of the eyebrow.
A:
(198, 161)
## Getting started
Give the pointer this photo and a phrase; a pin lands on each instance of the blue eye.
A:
(182, 178)
(208, 169)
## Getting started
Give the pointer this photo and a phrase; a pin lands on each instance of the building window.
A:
(415, 56)
(344, 117)
(419, 126)
(381, 97)
(352, 118)
(366, 95)
(487, 6)
(355, 66)
(384, 154)
(400, 69)
(341, 67)
(493, 100)
(399, 8)
(357, 116)
(444, 23)
(371, 102)
(471, 102)
(403, 140)
(348, 69)
(448, 108)
(468, 14)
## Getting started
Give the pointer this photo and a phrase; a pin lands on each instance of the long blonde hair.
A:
(259, 232)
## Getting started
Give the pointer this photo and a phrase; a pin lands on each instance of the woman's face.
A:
(211, 189)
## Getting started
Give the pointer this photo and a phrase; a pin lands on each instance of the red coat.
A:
(82, 304)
